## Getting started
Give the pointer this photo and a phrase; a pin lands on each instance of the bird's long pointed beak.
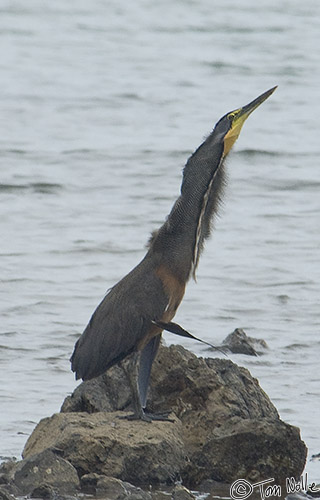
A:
(239, 117)
(247, 110)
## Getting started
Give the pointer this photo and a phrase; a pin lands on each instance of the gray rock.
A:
(254, 449)
(111, 488)
(223, 411)
(205, 392)
(314, 490)
(5, 494)
(161, 495)
(46, 469)
(238, 342)
(179, 492)
(215, 488)
(136, 452)
(44, 492)
(299, 495)
(119, 490)
(89, 483)
(7, 471)
(227, 428)
(100, 394)
(182, 382)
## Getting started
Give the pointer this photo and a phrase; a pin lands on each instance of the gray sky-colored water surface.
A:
(101, 104)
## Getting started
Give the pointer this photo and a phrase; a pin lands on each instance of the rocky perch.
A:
(224, 428)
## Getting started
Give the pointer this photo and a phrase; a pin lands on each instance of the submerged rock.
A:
(224, 428)
(238, 342)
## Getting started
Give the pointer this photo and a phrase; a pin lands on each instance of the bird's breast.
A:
(174, 290)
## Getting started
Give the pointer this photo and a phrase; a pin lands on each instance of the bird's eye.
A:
(231, 116)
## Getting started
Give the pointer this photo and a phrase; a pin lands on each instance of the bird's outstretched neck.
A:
(180, 239)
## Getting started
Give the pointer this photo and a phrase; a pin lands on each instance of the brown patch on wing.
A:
(174, 289)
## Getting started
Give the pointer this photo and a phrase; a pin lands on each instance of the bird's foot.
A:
(161, 416)
(146, 416)
(136, 416)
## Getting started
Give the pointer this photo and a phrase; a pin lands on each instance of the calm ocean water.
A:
(101, 104)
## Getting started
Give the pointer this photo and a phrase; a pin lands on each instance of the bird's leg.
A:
(131, 370)
(146, 359)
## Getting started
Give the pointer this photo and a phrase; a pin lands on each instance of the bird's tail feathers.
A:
(178, 330)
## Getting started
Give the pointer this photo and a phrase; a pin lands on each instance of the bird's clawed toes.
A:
(146, 416)
(161, 416)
